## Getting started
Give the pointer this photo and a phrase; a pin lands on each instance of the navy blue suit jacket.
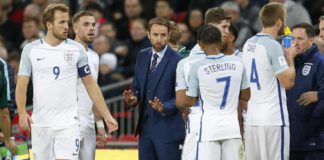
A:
(168, 126)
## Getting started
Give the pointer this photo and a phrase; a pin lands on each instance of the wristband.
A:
(100, 124)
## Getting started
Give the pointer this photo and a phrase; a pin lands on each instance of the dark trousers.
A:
(152, 148)
(306, 155)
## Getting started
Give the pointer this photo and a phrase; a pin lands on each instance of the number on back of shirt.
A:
(227, 81)
(254, 77)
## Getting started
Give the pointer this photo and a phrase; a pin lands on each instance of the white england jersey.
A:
(84, 100)
(54, 72)
(196, 50)
(264, 59)
(182, 76)
(218, 80)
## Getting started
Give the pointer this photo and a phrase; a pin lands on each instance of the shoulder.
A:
(33, 44)
(74, 44)
(92, 53)
(144, 51)
(319, 57)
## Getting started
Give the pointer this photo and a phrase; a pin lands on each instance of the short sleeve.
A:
(25, 67)
(193, 82)
(180, 78)
(277, 58)
(245, 82)
(82, 64)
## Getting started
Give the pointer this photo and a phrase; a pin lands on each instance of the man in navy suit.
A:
(160, 127)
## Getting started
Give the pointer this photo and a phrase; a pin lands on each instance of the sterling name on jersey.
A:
(218, 80)
(264, 59)
(84, 100)
(54, 72)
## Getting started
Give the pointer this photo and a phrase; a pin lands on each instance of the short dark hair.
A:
(216, 15)
(308, 29)
(159, 21)
(76, 17)
(234, 30)
(93, 6)
(109, 23)
(209, 34)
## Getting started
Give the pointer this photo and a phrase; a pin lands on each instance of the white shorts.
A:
(229, 149)
(266, 143)
(190, 146)
(88, 146)
(51, 144)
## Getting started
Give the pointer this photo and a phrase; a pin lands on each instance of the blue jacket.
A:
(168, 126)
(307, 123)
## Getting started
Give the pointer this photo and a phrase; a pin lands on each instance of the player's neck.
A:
(52, 40)
(270, 30)
(85, 45)
(229, 50)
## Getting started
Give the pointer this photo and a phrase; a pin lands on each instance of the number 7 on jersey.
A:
(227, 81)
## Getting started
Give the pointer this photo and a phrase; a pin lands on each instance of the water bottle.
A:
(9, 156)
(287, 39)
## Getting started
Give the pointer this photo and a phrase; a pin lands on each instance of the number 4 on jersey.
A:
(254, 77)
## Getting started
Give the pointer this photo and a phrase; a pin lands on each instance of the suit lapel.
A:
(146, 67)
(160, 68)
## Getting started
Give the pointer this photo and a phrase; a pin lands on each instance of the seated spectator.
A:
(245, 30)
(108, 29)
(32, 11)
(9, 30)
(195, 20)
(186, 39)
(137, 42)
(107, 74)
(31, 31)
(250, 12)
(164, 9)
(101, 44)
(174, 38)
(295, 12)
(133, 9)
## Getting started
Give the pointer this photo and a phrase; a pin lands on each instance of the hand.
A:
(112, 124)
(291, 52)
(25, 121)
(307, 98)
(11, 145)
(185, 114)
(102, 137)
(130, 98)
(156, 104)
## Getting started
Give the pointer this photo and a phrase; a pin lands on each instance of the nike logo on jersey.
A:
(75, 154)
(39, 59)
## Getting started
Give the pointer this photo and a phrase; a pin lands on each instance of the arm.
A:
(287, 77)
(99, 102)
(190, 101)
(21, 91)
(181, 100)
(5, 127)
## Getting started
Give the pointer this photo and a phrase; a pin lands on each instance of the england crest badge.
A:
(69, 56)
(306, 69)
